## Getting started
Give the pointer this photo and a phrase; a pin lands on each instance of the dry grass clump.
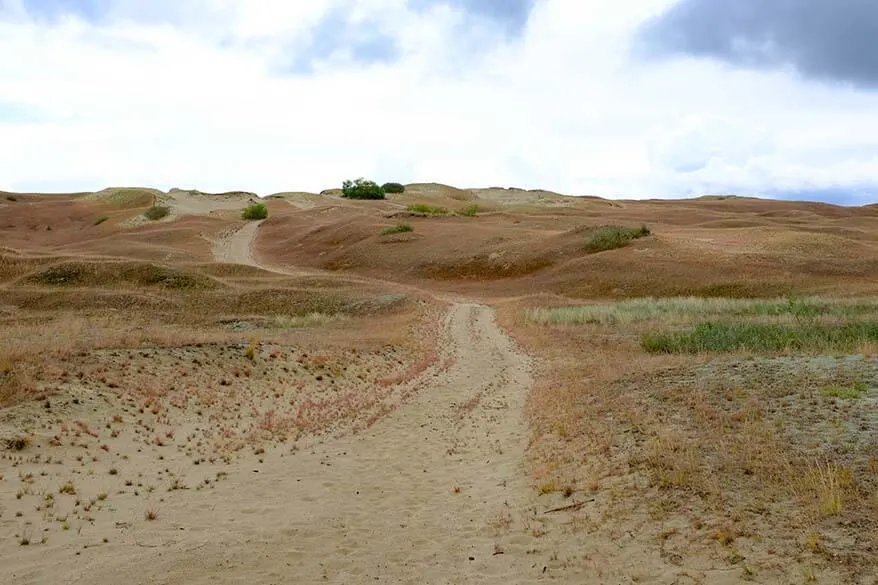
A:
(724, 444)
(315, 319)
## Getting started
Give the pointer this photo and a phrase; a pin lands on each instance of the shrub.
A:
(424, 208)
(11, 198)
(255, 211)
(468, 211)
(362, 189)
(157, 212)
(393, 188)
(399, 228)
(609, 237)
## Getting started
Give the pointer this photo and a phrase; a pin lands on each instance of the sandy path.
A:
(237, 247)
(380, 506)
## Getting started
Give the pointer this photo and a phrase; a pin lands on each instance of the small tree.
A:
(393, 187)
(255, 211)
(362, 189)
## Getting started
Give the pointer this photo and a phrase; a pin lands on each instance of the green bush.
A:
(609, 237)
(393, 188)
(255, 211)
(762, 337)
(424, 208)
(468, 211)
(157, 212)
(362, 189)
(399, 228)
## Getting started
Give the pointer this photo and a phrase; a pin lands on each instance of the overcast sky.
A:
(618, 98)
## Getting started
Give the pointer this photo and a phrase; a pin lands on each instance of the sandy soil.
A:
(236, 246)
(428, 495)
(200, 464)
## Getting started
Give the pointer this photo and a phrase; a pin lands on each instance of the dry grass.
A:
(689, 459)
(731, 442)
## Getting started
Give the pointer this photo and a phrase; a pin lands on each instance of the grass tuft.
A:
(399, 228)
(157, 212)
(17, 443)
(424, 208)
(309, 320)
(609, 237)
(468, 211)
(857, 390)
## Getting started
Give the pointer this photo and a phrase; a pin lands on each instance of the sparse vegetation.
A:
(17, 443)
(609, 237)
(11, 198)
(852, 392)
(362, 189)
(393, 188)
(687, 309)
(308, 320)
(255, 211)
(157, 212)
(429, 209)
(468, 211)
(252, 347)
(765, 337)
(399, 228)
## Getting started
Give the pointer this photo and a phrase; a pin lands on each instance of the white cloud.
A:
(172, 98)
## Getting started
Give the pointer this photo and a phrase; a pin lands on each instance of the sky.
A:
(616, 98)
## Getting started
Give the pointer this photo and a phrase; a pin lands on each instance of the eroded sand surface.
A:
(427, 495)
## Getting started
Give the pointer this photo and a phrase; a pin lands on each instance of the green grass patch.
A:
(700, 308)
(399, 228)
(852, 392)
(157, 212)
(468, 211)
(101, 220)
(727, 337)
(609, 237)
(424, 208)
(255, 211)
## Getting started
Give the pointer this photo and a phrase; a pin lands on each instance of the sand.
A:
(429, 494)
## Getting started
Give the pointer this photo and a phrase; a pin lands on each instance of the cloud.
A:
(271, 96)
(345, 39)
(826, 40)
(511, 15)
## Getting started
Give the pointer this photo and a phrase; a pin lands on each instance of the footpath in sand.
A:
(427, 495)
